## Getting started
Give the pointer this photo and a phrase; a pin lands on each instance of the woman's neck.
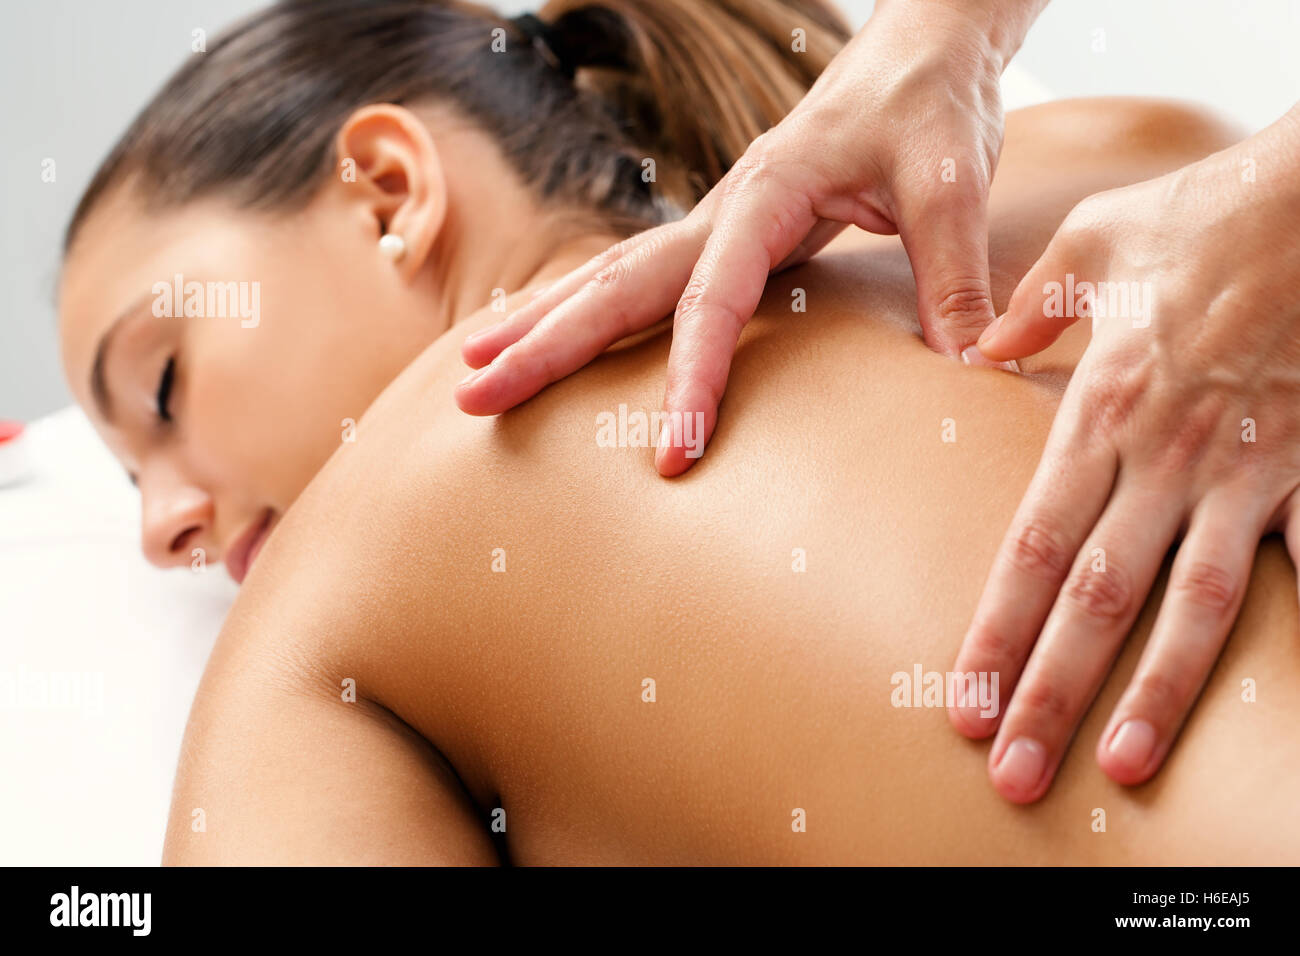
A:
(531, 260)
(498, 236)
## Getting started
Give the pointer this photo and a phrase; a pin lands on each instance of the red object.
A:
(10, 430)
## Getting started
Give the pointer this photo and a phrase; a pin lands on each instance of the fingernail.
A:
(661, 447)
(969, 709)
(972, 355)
(1021, 767)
(471, 377)
(665, 444)
(972, 714)
(1133, 743)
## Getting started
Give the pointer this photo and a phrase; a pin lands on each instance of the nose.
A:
(176, 518)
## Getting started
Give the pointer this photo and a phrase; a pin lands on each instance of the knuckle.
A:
(965, 302)
(748, 170)
(615, 264)
(695, 307)
(1082, 220)
(761, 147)
(1106, 595)
(692, 302)
(1160, 694)
(618, 321)
(547, 371)
(690, 393)
(1071, 234)
(971, 194)
(1191, 435)
(991, 647)
(1111, 402)
(659, 241)
(604, 280)
(527, 362)
(611, 276)
(1209, 586)
(1045, 703)
(1038, 547)
(619, 249)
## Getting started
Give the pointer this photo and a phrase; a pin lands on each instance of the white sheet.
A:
(86, 784)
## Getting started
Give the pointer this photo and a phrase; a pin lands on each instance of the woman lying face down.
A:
(439, 124)
(223, 416)
(478, 640)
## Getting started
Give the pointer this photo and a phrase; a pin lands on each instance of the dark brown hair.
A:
(688, 83)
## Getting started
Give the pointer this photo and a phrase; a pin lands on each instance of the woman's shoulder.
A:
(339, 574)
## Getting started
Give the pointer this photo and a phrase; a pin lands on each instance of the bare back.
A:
(501, 591)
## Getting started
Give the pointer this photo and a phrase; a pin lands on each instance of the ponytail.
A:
(686, 84)
(695, 81)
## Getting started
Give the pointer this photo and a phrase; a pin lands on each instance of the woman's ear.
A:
(387, 155)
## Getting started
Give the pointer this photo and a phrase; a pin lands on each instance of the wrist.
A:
(1237, 214)
(998, 26)
(1283, 146)
(1262, 169)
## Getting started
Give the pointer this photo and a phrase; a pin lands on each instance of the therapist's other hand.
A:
(900, 134)
(1183, 418)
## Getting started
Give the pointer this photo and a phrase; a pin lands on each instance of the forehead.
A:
(121, 251)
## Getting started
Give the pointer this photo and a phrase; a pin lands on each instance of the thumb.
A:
(1031, 322)
(948, 248)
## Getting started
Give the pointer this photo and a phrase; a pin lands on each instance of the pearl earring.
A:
(392, 246)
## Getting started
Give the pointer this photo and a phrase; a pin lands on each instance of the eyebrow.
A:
(98, 379)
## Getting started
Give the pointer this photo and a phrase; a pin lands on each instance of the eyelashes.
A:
(165, 389)
(162, 402)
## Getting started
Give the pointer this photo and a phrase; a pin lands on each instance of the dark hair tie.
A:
(542, 36)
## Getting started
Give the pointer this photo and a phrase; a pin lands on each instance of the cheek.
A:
(268, 404)
(265, 407)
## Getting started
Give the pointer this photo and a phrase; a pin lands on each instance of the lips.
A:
(245, 549)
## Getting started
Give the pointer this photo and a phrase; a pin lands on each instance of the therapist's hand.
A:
(1183, 418)
(900, 134)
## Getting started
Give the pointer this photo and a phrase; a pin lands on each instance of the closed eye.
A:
(165, 389)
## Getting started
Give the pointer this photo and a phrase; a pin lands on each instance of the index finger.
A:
(755, 231)
(620, 297)
(483, 346)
